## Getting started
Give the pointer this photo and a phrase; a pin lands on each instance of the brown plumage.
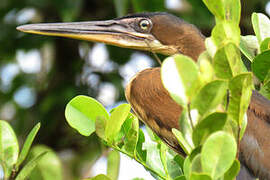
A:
(166, 34)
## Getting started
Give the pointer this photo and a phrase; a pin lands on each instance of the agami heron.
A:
(166, 34)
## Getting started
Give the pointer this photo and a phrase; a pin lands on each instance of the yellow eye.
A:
(145, 24)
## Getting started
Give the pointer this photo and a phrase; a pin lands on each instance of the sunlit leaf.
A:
(227, 62)
(100, 125)
(81, 113)
(206, 71)
(209, 96)
(225, 32)
(233, 171)
(261, 26)
(265, 45)
(197, 176)
(9, 147)
(48, 167)
(210, 124)
(218, 154)
(28, 142)
(113, 164)
(181, 140)
(240, 92)
(261, 65)
(114, 123)
(153, 158)
(140, 151)
(225, 9)
(29, 167)
(196, 165)
(99, 177)
(179, 75)
(249, 46)
(265, 89)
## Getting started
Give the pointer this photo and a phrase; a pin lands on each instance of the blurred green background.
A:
(39, 75)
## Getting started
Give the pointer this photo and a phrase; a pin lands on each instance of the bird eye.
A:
(144, 24)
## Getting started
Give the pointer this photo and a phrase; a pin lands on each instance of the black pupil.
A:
(144, 24)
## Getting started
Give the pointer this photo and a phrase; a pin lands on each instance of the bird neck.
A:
(185, 37)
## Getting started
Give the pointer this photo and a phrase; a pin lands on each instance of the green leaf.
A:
(180, 178)
(9, 148)
(28, 142)
(249, 46)
(210, 96)
(179, 75)
(261, 65)
(181, 140)
(265, 45)
(113, 164)
(210, 124)
(196, 165)
(243, 127)
(265, 89)
(229, 10)
(29, 167)
(140, 151)
(114, 123)
(153, 158)
(227, 61)
(99, 177)
(211, 47)
(240, 92)
(121, 7)
(233, 171)
(188, 162)
(218, 154)
(225, 32)
(100, 126)
(206, 71)
(48, 166)
(131, 141)
(81, 113)
(261, 26)
(174, 168)
(196, 176)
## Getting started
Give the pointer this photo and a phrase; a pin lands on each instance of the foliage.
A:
(11, 160)
(55, 83)
(214, 94)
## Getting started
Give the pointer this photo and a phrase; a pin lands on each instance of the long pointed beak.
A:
(114, 32)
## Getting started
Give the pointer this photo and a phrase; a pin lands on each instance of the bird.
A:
(164, 33)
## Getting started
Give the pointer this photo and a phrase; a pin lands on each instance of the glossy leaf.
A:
(185, 128)
(261, 65)
(265, 89)
(27, 144)
(100, 126)
(261, 26)
(153, 158)
(218, 154)
(210, 124)
(227, 62)
(233, 171)
(9, 147)
(29, 167)
(181, 140)
(179, 75)
(225, 9)
(265, 45)
(196, 165)
(140, 151)
(240, 93)
(209, 96)
(225, 32)
(206, 71)
(81, 113)
(113, 164)
(114, 123)
(196, 176)
(48, 167)
(249, 46)
(100, 177)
